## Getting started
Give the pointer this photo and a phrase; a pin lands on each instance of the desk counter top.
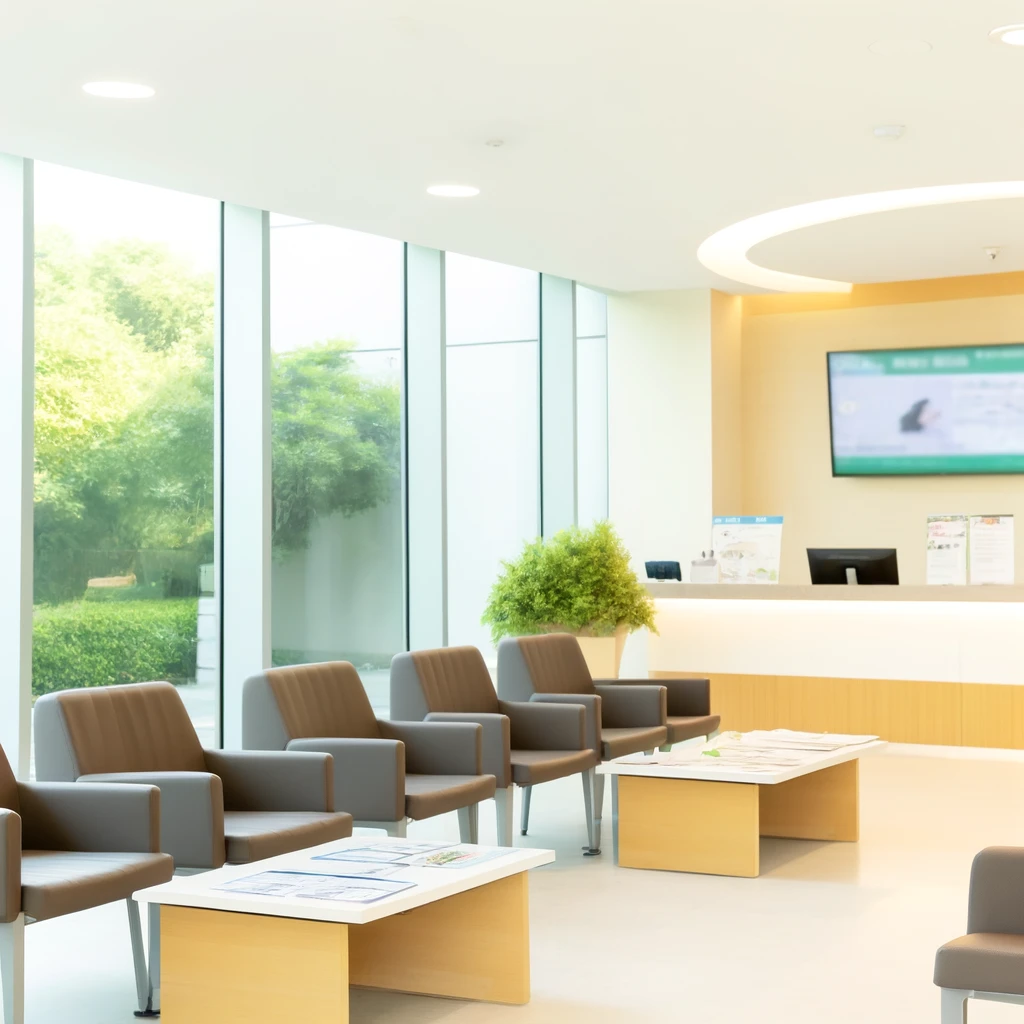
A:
(806, 592)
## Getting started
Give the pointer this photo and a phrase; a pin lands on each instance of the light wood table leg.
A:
(822, 805)
(225, 968)
(475, 945)
(689, 825)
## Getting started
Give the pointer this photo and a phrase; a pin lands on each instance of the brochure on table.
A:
(748, 548)
(990, 552)
(361, 874)
(947, 550)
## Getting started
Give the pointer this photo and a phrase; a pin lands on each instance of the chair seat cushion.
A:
(619, 742)
(686, 728)
(531, 767)
(427, 795)
(256, 835)
(984, 961)
(55, 883)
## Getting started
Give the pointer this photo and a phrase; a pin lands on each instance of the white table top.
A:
(432, 884)
(712, 769)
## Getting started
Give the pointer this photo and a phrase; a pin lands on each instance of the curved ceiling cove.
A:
(726, 251)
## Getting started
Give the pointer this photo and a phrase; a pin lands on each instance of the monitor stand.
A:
(851, 576)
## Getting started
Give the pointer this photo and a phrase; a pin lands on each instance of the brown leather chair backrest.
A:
(323, 700)
(8, 786)
(555, 663)
(143, 727)
(455, 679)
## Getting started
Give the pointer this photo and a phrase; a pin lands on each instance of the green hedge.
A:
(100, 643)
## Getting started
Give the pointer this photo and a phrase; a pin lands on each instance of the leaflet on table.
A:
(990, 553)
(748, 548)
(947, 550)
(311, 886)
(458, 857)
(398, 852)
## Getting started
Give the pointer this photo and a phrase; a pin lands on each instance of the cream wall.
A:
(726, 404)
(785, 430)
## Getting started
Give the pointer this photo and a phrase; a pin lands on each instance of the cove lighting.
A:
(119, 90)
(725, 252)
(453, 191)
(1013, 35)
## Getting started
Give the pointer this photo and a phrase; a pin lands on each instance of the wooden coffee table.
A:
(239, 958)
(707, 816)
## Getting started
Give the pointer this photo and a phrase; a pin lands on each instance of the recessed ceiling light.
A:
(454, 191)
(900, 47)
(891, 132)
(1013, 35)
(725, 252)
(119, 90)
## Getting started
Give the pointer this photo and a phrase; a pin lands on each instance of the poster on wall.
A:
(990, 552)
(748, 548)
(947, 550)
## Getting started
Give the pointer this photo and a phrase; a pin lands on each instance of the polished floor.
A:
(833, 933)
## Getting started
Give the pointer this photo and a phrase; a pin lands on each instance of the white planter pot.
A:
(604, 653)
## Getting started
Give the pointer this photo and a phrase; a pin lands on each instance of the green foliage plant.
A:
(579, 581)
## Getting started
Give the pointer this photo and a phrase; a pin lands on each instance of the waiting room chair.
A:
(688, 707)
(384, 772)
(65, 848)
(524, 744)
(620, 720)
(987, 962)
(217, 806)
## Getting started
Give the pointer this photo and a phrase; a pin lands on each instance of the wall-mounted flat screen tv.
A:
(920, 411)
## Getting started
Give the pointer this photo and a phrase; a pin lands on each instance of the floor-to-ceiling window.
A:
(591, 405)
(493, 428)
(337, 331)
(124, 393)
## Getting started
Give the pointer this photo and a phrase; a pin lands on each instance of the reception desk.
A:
(942, 665)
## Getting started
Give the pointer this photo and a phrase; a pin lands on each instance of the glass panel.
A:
(489, 302)
(591, 312)
(493, 400)
(124, 438)
(337, 330)
(592, 429)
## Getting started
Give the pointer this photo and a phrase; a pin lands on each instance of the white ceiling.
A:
(633, 128)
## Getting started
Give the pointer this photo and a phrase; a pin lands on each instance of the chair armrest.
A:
(274, 780)
(546, 726)
(10, 865)
(369, 775)
(90, 819)
(592, 714)
(996, 901)
(687, 698)
(630, 706)
(191, 813)
(497, 740)
(439, 748)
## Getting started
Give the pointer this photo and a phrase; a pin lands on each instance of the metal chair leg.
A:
(503, 812)
(469, 824)
(525, 823)
(12, 970)
(138, 955)
(153, 1003)
(954, 1006)
(594, 841)
(665, 748)
(598, 799)
(396, 829)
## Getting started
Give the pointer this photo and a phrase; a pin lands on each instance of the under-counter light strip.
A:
(725, 252)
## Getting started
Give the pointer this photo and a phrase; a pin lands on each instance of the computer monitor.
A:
(663, 571)
(865, 566)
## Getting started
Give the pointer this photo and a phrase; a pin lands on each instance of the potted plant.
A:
(579, 581)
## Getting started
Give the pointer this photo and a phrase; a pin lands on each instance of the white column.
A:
(426, 448)
(660, 423)
(244, 508)
(17, 349)
(557, 404)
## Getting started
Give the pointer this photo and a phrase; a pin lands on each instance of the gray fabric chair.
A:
(987, 962)
(65, 848)
(524, 744)
(620, 720)
(216, 805)
(384, 772)
(688, 709)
